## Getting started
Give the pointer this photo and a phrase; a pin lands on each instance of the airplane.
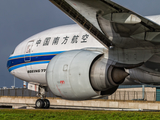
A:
(109, 46)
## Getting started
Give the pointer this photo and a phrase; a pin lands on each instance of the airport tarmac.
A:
(62, 107)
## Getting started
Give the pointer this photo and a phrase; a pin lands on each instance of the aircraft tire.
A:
(46, 103)
(39, 103)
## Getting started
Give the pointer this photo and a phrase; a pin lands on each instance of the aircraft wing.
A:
(96, 15)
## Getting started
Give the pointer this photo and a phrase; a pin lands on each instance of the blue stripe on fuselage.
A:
(27, 64)
(15, 62)
(35, 54)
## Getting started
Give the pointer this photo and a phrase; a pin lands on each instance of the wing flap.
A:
(144, 29)
(144, 21)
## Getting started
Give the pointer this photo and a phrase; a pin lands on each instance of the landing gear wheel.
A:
(42, 103)
(46, 103)
(39, 103)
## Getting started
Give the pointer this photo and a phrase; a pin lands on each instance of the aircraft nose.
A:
(8, 64)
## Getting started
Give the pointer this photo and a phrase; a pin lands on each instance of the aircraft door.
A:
(27, 55)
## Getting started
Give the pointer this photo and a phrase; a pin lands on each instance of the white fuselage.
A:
(31, 57)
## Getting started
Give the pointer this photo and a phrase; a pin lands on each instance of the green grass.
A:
(11, 114)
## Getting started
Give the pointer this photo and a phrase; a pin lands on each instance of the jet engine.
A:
(82, 75)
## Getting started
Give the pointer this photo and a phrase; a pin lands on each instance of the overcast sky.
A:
(20, 19)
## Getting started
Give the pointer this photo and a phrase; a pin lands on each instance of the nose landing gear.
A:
(42, 103)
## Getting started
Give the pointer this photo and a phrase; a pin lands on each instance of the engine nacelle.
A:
(82, 75)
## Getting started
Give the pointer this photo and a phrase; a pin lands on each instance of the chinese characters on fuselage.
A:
(66, 39)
